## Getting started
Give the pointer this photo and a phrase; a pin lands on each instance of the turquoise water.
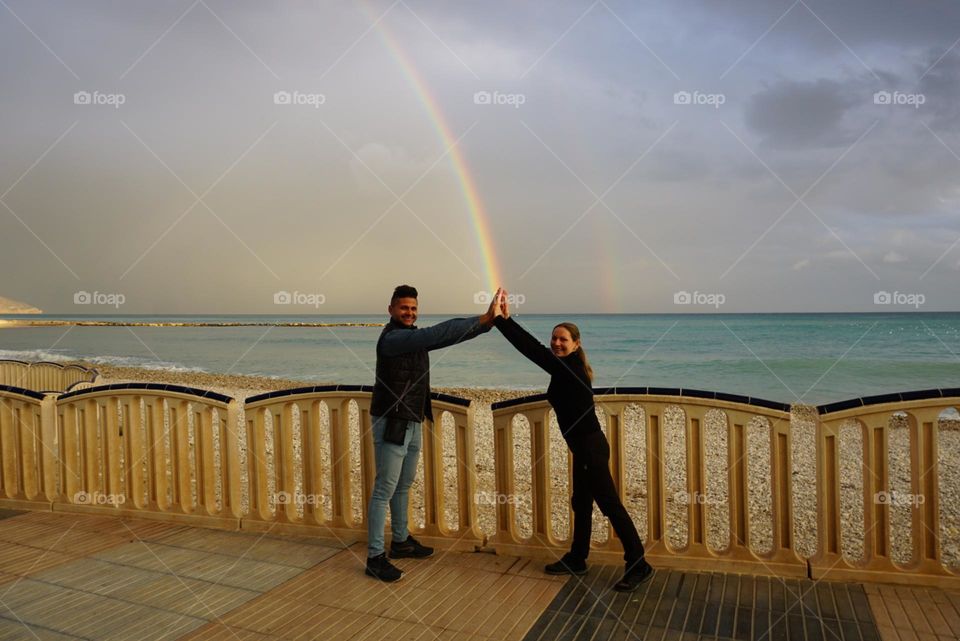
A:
(814, 358)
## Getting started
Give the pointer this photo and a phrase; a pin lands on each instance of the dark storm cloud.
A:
(802, 114)
(941, 88)
(854, 22)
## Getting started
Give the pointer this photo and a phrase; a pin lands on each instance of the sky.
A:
(204, 156)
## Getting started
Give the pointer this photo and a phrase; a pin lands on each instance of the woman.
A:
(571, 396)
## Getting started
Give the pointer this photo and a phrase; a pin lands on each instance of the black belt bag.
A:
(395, 430)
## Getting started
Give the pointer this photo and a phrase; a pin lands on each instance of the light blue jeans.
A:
(396, 469)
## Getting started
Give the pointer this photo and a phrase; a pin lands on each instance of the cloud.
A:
(801, 114)
(803, 263)
(393, 165)
(941, 87)
(894, 258)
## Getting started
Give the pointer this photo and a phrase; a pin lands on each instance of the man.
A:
(401, 400)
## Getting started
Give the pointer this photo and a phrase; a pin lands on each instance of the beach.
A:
(803, 474)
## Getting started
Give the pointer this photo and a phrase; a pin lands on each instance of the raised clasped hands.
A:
(504, 307)
(493, 310)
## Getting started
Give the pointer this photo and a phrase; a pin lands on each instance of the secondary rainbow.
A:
(478, 217)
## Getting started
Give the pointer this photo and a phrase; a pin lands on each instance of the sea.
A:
(808, 358)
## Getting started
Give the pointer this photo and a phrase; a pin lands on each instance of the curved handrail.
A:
(154, 387)
(318, 389)
(685, 392)
(45, 376)
(22, 391)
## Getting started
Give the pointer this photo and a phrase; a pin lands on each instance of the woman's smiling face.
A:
(562, 343)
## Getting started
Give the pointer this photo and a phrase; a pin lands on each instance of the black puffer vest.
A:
(402, 388)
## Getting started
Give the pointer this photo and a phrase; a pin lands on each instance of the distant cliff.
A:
(10, 306)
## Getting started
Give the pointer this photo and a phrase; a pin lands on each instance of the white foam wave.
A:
(35, 355)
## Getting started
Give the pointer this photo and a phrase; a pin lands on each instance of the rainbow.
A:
(478, 217)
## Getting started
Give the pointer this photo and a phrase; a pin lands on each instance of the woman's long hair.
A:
(575, 335)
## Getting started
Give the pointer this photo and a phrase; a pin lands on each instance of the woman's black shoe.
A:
(635, 576)
(567, 565)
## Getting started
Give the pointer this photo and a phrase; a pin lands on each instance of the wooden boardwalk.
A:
(65, 576)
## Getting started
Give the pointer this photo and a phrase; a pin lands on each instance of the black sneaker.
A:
(409, 549)
(380, 568)
(634, 577)
(567, 565)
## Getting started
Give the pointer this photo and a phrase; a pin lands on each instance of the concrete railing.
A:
(301, 461)
(921, 412)
(782, 559)
(309, 469)
(181, 454)
(43, 376)
(921, 409)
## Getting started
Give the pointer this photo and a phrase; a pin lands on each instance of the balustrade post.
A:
(467, 472)
(432, 452)
(206, 459)
(829, 553)
(48, 454)
(112, 450)
(503, 471)
(541, 487)
(342, 511)
(135, 452)
(233, 478)
(257, 445)
(312, 461)
(696, 483)
(876, 484)
(925, 503)
(368, 461)
(286, 463)
(656, 502)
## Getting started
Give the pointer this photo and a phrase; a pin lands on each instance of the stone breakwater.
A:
(803, 422)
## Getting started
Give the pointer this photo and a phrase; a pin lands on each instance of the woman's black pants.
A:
(592, 482)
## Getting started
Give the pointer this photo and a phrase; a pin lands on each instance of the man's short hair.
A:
(403, 291)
